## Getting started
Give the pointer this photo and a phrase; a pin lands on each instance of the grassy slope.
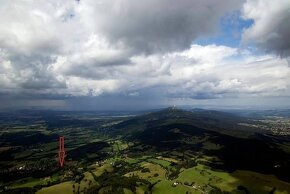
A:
(65, 187)
(229, 181)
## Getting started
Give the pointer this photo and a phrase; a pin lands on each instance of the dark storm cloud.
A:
(156, 26)
(32, 72)
(271, 28)
(148, 98)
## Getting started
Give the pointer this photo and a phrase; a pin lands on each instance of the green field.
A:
(65, 187)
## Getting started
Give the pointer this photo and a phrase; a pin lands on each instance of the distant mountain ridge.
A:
(218, 121)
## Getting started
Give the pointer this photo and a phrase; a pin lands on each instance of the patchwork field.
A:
(169, 156)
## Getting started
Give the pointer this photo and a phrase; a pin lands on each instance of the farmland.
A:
(178, 154)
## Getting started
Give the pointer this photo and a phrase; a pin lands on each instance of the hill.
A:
(218, 121)
(211, 133)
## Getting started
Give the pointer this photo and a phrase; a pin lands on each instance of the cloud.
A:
(47, 45)
(271, 27)
(154, 26)
(30, 41)
(125, 50)
(133, 94)
(236, 74)
(29, 27)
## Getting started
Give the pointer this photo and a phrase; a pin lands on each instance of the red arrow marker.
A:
(61, 151)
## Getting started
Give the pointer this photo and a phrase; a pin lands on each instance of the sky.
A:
(131, 55)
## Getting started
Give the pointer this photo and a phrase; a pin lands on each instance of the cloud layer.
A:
(129, 49)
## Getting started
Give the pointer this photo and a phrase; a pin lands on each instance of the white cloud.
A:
(216, 53)
(234, 75)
